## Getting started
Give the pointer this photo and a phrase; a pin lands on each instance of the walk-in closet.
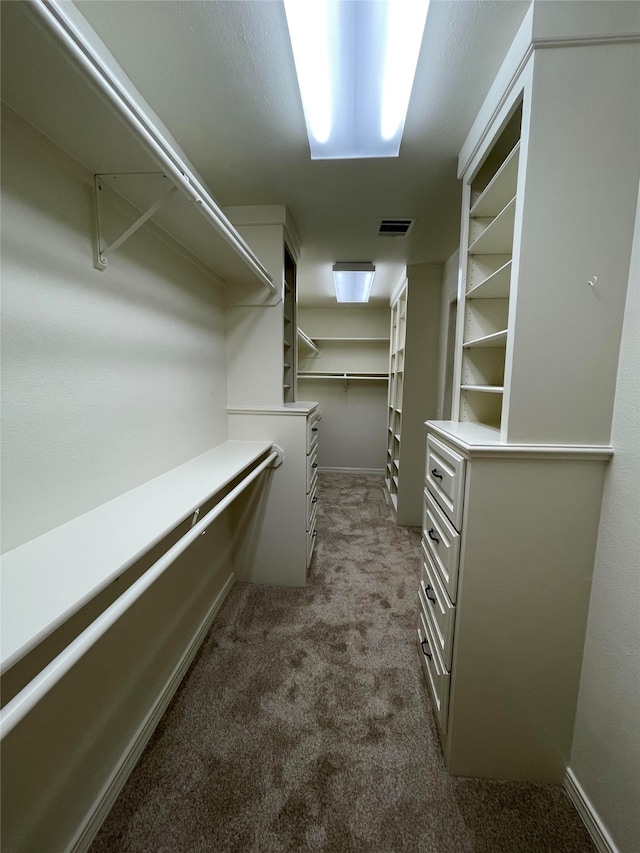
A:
(286, 566)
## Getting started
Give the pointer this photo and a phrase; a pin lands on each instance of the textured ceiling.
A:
(221, 77)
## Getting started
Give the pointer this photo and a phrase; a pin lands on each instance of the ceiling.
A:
(220, 75)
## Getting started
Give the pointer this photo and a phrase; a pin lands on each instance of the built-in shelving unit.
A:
(396, 382)
(415, 307)
(513, 484)
(484, 308)
(290, 351)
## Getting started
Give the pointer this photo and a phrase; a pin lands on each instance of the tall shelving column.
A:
(289, 337)
(413, 355)
(397, 337)
(484, 310)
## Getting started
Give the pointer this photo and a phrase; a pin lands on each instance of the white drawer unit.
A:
(437, 604)
(443, 543)
(441, 523)
(502, 601)
(436, 674)
(445, 478)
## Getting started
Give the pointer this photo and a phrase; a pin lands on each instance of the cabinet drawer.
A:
(312, 502)
(312, 429)
(442, 541)
(311, 541)
(439, 610)
(438, 678)
(312, 469)
(445, 478)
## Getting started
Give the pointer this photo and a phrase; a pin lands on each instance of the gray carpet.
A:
(304, 722)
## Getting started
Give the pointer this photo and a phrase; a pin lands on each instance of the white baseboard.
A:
(351, 471)
(589, 815)
(115, 784)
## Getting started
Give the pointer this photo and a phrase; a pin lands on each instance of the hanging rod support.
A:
(101, 248)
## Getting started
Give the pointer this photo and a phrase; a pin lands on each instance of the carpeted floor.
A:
(304, 722)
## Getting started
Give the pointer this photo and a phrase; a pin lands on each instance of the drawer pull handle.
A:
(314, 464)
(436, 473)
(314, 500)
(432, 535)
(424, 651)
(426, 592)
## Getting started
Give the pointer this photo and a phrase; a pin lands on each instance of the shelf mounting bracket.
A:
(101, 247)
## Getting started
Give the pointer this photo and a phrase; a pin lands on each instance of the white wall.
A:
(605, 756)
(354, 419)
(108, 378)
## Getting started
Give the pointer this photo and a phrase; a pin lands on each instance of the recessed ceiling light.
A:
(355, 61)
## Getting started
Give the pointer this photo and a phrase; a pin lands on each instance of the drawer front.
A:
(312, 469)
(442, 541)
(312, 503)
(311, 541)
(440, 612)
(313, 422)
(438, 678)
(445, 478)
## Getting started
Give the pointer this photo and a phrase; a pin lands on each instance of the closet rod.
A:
(18, 708)
(59, 24)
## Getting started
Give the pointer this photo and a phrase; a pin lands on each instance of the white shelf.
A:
(485, 389)
(501, 189)
(496, 340)
(494, 286)
(349, 376)
(497, 236)
(323, 340)
(92, 550)
(62, 81)
(306, 341)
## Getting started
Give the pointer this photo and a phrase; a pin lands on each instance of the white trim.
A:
(351, 471)
(588, 814)
(94, 820)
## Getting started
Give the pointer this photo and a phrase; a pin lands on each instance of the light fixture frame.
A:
(355, 63)
(353, 281)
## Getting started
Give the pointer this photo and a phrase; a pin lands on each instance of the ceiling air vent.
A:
(394, 227)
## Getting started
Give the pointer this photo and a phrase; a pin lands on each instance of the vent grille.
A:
(394, 227)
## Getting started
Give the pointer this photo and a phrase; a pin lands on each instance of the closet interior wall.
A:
(353, 341)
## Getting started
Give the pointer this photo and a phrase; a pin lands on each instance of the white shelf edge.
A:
(323, 339)
(479, 290)
(90, 551)
(498, 340)
(495, 181)
(503, 222)
(306, 340)
(477, 439)
(485, 389)
(348, 376)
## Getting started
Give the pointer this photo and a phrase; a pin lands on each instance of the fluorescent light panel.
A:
(355, 61)
(353, 281)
